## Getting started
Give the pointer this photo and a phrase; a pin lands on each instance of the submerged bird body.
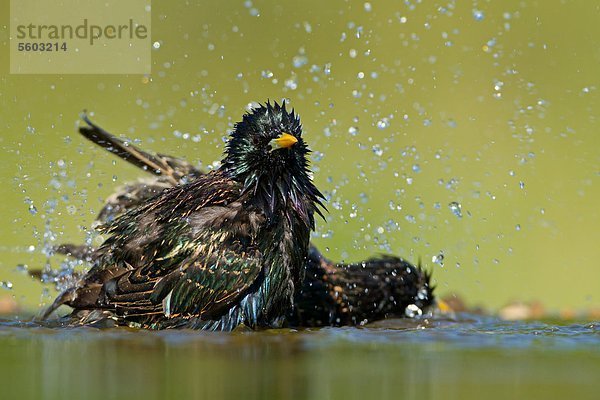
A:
(358, 293)
(222, 250)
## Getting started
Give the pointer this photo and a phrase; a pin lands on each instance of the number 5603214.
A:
(44, 46)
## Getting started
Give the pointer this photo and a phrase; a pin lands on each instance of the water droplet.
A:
(6, 285)
(299, 61)
(267, 74)
(32, 209)
(438, 259)
(383, 123)
(456, 208)
(377, 150)
(359, 31)
(416, 168)
(478, 15)
(368, 7)
(156, 45)
(22, 268)
(291, 83)
(412, 311)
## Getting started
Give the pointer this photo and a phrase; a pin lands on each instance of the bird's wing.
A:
(207, 285)
(172, 169)
(192, 281)
(201, 284)
(189, 251)
(169, 171)
(131, 195)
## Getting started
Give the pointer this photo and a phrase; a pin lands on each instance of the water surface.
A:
(467, 357)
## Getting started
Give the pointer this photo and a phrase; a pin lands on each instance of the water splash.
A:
(456, 208)
(412, 311)
(438, 259)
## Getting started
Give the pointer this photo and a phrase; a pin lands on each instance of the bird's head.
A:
(267, 154)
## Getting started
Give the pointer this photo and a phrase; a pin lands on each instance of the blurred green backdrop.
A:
(408, 106)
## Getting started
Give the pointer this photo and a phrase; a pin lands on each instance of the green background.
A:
(408, 107)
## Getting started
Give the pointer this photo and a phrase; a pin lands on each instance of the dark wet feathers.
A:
(228, 246)
(358, 293)
(172, 255)
(330, 294)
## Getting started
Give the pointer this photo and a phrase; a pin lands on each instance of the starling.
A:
(226, 249)
(331, 294)
(358, 293)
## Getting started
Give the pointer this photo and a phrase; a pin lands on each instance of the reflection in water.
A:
(395, 359)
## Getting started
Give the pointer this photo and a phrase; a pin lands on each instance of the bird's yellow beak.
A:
(284, 141)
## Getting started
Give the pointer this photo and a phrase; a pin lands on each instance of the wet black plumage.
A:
(330, 294)
(357, 293)
(225, 249)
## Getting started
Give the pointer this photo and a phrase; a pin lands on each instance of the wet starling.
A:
(330, 294)
(227, 248)
(358, 293)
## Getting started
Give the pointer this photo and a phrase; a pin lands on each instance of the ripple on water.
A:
(395, 358)
(461, 331)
